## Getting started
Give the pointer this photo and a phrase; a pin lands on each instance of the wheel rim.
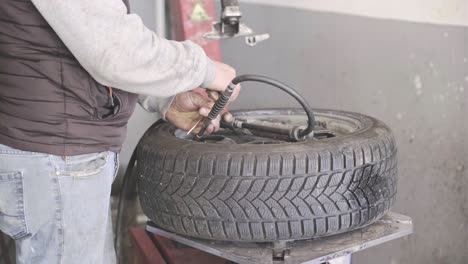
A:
(329, 124)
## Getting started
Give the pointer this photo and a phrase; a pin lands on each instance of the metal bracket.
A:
(219, 31)
(230, 25)
(253, 40)
(322, 250)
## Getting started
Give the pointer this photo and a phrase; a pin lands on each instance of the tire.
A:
(270, 192)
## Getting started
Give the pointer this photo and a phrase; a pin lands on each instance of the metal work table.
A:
(334, 249)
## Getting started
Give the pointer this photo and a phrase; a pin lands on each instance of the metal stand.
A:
(335, 249)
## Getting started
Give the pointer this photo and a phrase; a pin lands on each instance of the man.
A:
(69, 75)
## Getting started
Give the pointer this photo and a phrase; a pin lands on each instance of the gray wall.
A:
(412, 76)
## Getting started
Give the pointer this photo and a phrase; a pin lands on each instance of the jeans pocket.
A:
(12, 215)
(84, 165)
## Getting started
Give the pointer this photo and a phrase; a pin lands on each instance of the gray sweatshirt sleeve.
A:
(156, 105)
(120, 52)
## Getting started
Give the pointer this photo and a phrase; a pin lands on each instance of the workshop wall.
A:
(447, 12)
(413, 76)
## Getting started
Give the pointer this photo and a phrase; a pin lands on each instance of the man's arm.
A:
(153, 104)
(119, 51)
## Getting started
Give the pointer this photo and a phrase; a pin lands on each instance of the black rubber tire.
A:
(261, 193)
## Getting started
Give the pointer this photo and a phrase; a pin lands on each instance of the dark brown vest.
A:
(48, 102)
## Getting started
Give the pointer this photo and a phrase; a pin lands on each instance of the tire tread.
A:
(269, 196)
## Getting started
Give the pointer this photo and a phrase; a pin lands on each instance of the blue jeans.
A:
(57, 208)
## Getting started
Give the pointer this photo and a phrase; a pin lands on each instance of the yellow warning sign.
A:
(199, 13)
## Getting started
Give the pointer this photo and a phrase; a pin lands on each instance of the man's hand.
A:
(188, 108)
(224, 75)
